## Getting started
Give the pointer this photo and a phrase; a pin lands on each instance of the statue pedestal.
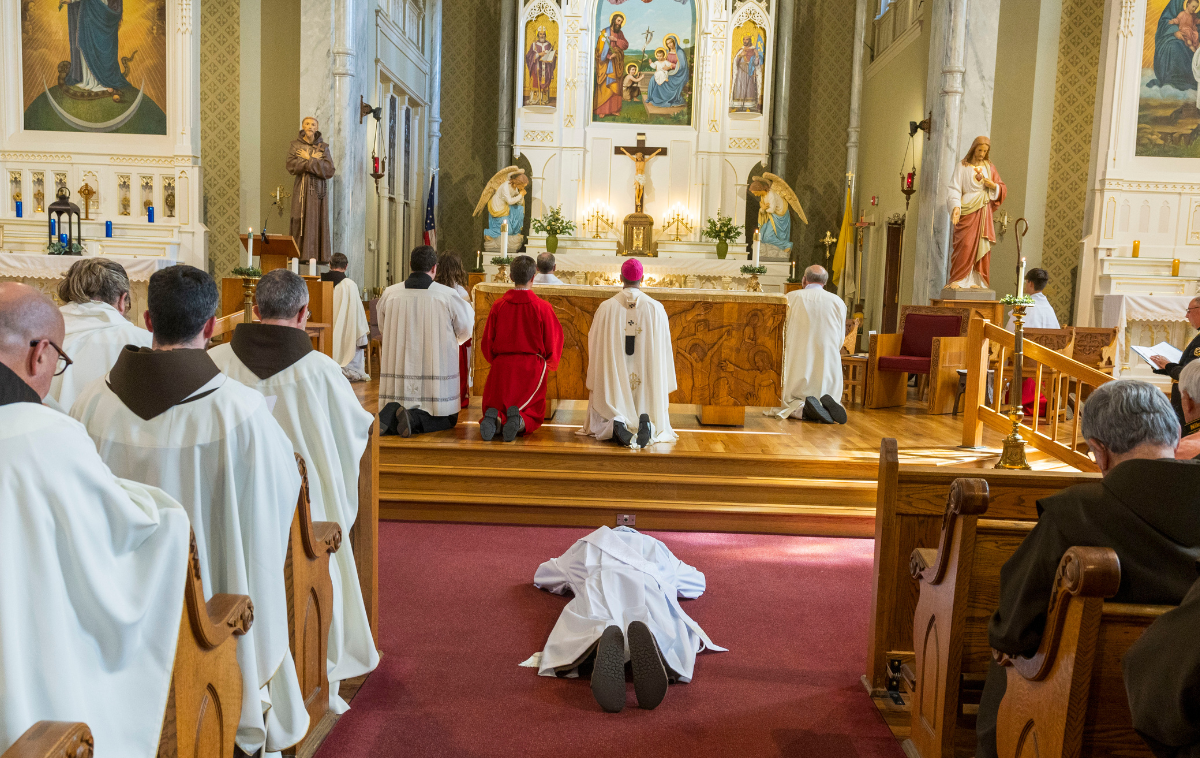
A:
(955, 293)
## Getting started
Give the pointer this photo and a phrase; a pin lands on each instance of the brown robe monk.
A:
(1148, 511)
(310, 163)
(1162, 679)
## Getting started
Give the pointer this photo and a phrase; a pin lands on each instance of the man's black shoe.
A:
(814, 411)
(622, 434)
(649, 672)
(608, 671)
(643, 435)
(514, 424)
(489, 424)
(833, 408)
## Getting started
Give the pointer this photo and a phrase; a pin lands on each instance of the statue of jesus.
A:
(639, 178)
(976, 190)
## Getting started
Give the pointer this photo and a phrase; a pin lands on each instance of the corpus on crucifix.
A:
(639, 156)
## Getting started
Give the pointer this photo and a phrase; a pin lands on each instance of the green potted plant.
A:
(248, 272)
(552, 225)
(723, 230)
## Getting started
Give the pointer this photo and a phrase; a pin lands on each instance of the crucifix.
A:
(639, 156)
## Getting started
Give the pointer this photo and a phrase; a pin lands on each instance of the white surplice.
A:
(625, 386)
(1040, 315)
(92, 589)
(349, 322)
(96, 332)
(422, 329)
(618, 576)
(329, 429)
(230, 465)
(546, 279)
(816, 329)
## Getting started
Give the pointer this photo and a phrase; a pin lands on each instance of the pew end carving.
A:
(53, 739)
(309, 590)
(1069, 698)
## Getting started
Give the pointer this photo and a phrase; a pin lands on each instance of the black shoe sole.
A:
(643, 435)
(403, 425)
(622, 434)
(489, 424)
(512, 424)
(649, 672)
(814, 411)
(833, 408)
(608, 671)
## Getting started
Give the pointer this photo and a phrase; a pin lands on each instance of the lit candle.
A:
(150, 214)
(504, 238)
(1137, 247)
(294, 265)
(20, 209)
(1175, 267)
(1021, 278)
(375, 165)
(757, 245)
(250, 246)
(312, 266)
(909, 180)
(53, 227)
(108, 229)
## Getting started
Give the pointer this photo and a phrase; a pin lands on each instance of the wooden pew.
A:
(310, 604)
(364, 535)
(960, 588)
(909, 507)
(53, 739)
(1069, 698)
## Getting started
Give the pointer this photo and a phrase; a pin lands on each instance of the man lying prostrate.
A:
(317, 408)
(1147, 509)
(169, 417)
(94, 572)
(96, 293)
(626, 585)
(631, 367)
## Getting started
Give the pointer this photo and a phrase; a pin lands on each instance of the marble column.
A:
(785, 21)
(508, 44)
(962, 66)
(856, 82)
(435, 97)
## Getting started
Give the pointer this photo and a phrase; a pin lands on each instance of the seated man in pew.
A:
(168, 417)
(1162, 678)
(1146, 508)
(329, 429)
(94, 566)
(1189, 400)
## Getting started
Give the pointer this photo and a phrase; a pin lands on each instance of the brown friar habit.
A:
(1162, 678)
(310, 202)
(1148, 511)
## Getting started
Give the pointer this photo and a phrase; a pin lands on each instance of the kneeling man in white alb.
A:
(812, 375)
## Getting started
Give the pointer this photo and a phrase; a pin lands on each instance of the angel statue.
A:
(504, 197)
(774, 221)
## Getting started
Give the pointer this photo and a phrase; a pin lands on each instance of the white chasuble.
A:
(96, 332)
(618, 576)
(816, 329)
(349, 322)
(624, 386)
(328, 428)
(218, 451)
(423, 323)
(92, 587)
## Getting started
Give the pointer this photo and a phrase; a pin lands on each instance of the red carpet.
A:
(459, 612)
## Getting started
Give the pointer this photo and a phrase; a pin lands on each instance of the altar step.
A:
(509, 484)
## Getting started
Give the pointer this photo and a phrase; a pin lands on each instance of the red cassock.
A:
(523, 343)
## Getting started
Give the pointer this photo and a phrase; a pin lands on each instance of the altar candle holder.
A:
(677, 219)
(1013, 455)
(150, 214)
(1175, 267)
(108, 229)
(1137, 248)
(20, 209)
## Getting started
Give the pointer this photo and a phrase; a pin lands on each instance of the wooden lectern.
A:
(273, 253)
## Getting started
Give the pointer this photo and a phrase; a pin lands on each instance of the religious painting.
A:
(1169, 102)
(541, 62)
(749, 68)
(95, 66)
(645, 55)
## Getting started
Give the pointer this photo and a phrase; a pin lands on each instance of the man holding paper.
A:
(1190, 353)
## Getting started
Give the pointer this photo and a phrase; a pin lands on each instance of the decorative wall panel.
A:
(220, 114)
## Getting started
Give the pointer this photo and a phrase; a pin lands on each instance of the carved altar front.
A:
(728, 345)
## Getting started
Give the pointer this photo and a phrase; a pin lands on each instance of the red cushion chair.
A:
(929, 343)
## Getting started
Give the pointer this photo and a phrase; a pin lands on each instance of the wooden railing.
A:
(1063, 375)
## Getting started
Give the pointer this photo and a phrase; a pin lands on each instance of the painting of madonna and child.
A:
(1169, 102)
(645, 55)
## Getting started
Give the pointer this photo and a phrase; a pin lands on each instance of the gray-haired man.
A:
(545, 270)
(1146, 508)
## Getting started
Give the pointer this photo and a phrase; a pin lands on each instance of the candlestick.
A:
(1021, 278)
(53, 227)
(757, 245)
(312, 266)
(62, 238)
(150, 214)
(1175, 267)
(250, 246)
(793, 276)
(294, 265)
(1137, 247)
(20, 209)
(108, 229)
(504, 238)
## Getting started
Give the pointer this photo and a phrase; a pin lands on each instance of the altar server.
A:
(94, 568)
(631, 367)
(328, 428)
(423, 323)
(816, 329)
(546, 268)
(523, 342)
(96, 293)
(350, 327)
(1041, 314)
(168, 417)
(624, 585)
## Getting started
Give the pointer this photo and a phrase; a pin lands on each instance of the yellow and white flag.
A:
(842, 268)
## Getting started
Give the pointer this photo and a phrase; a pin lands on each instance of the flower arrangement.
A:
(749, 269)
(721, 228)
(502, 260)
(248, 272)
(1016, 300)
(553, 223)
(58, 248)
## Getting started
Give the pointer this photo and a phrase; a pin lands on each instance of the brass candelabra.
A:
(594, 219)
(677, 219)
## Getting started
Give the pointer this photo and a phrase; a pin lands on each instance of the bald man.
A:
(816, 328)
(98, 579)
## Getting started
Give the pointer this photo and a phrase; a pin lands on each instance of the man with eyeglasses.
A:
(1190, 353)
(97, 575)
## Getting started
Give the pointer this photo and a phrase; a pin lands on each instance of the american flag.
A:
(430, 221)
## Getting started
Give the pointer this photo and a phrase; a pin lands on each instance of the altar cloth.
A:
(37, 266)
(1120, 309)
